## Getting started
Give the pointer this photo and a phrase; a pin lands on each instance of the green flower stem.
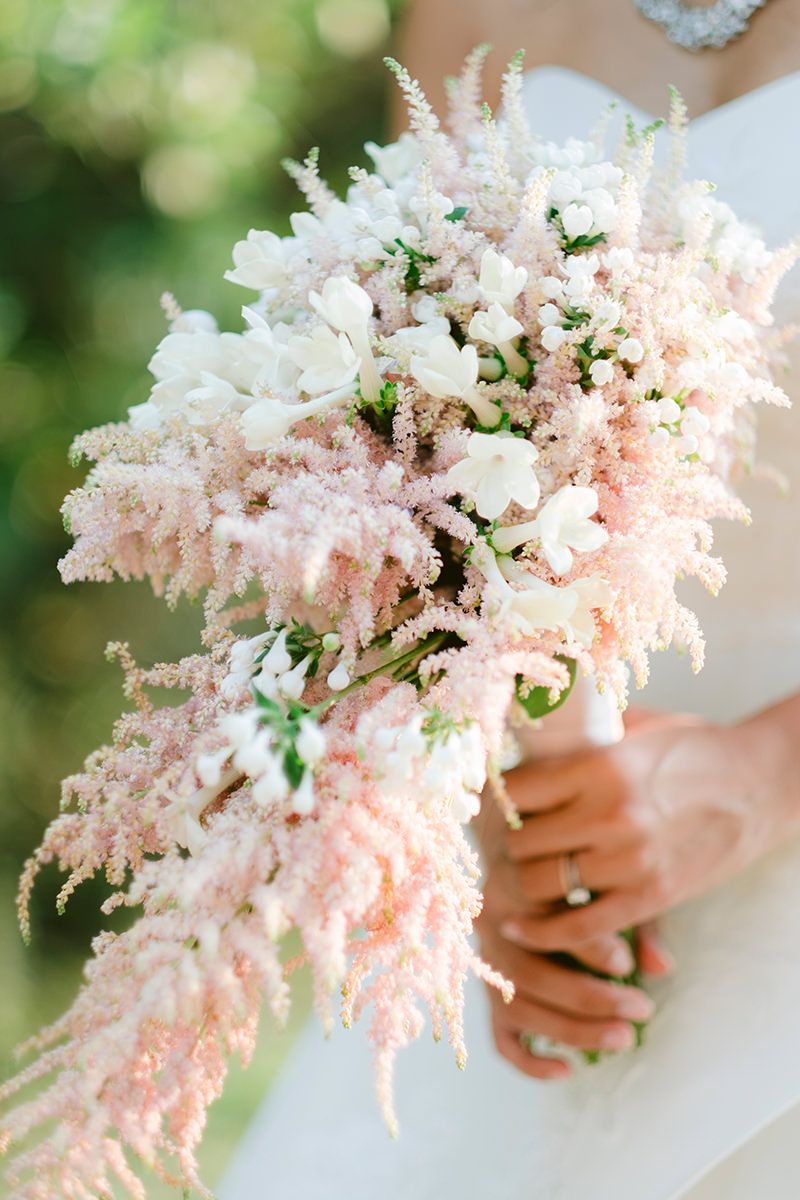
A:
(428, 646)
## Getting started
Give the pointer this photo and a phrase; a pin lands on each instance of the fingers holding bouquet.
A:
(556, 1004)
(578, 999)
(633, 829)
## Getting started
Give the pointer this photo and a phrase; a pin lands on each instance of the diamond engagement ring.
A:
(575, 893)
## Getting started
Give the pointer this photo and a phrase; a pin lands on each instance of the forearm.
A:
(770, 747)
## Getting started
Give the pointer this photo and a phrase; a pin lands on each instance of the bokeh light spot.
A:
(183, 181)
(17, 82)
(352, 27)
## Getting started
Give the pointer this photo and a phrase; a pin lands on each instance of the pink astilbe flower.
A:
(322, 480)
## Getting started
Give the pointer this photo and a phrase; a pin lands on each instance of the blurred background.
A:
(139, 139)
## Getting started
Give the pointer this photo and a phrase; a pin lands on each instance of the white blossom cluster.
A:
(440, 767)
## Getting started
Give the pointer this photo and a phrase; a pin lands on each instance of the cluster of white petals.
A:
(498, 469)
(446, 770)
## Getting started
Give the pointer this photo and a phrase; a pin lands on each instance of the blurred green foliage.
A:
(138, 140)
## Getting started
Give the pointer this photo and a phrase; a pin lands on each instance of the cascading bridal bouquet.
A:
(475, 428)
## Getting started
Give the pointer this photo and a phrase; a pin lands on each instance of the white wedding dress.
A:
(709, 1108)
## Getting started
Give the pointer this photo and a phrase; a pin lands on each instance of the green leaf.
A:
(537, 702)
(457, 214)
(294, 767)
(269, 706)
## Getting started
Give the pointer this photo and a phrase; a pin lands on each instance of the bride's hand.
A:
(565, 1004)
(661, 817)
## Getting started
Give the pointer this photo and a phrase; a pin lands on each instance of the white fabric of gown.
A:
(709, 1108)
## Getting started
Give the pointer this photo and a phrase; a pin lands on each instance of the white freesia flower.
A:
(553, 337)
(541, 605)
(563, 525)
(209, 766)
(577, 220)
(272, 786)
(277, 660)
(303, 798)
(431, 204)
(198, 373)
(292, 683)
(375, 221)
(606, 315)
(260, 262)
(630, 350)
(255, 757)
(212, 397)
(490, 368)
(339, 678)
(266, 684)
(326, 360)
(343, 304)
(659, 437)
(601, 371)
(603, 207)
(580, 271)
(446, 770)
(500, 282)
(397, 159)
(552, 287)
(310, 743)
(416, 339)
(240, 727)
(182, 817)
(267, 420)
(194, 320)
(499, 328)
(549, 314)
(669, 411)
(449, 370)
(694, 422)
(144, 417)
(498, 469)
(581, 264)
(188, 354)
(348, 308)
(591, 594)
(565, 188)
(277, 370)
(425, 308)
(545, 606)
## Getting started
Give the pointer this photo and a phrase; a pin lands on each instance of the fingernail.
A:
(621, 961)
(635, 1006)
(621, 1038)
(667, 959)
(512, 931)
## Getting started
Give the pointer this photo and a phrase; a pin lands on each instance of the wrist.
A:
(768, 748)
